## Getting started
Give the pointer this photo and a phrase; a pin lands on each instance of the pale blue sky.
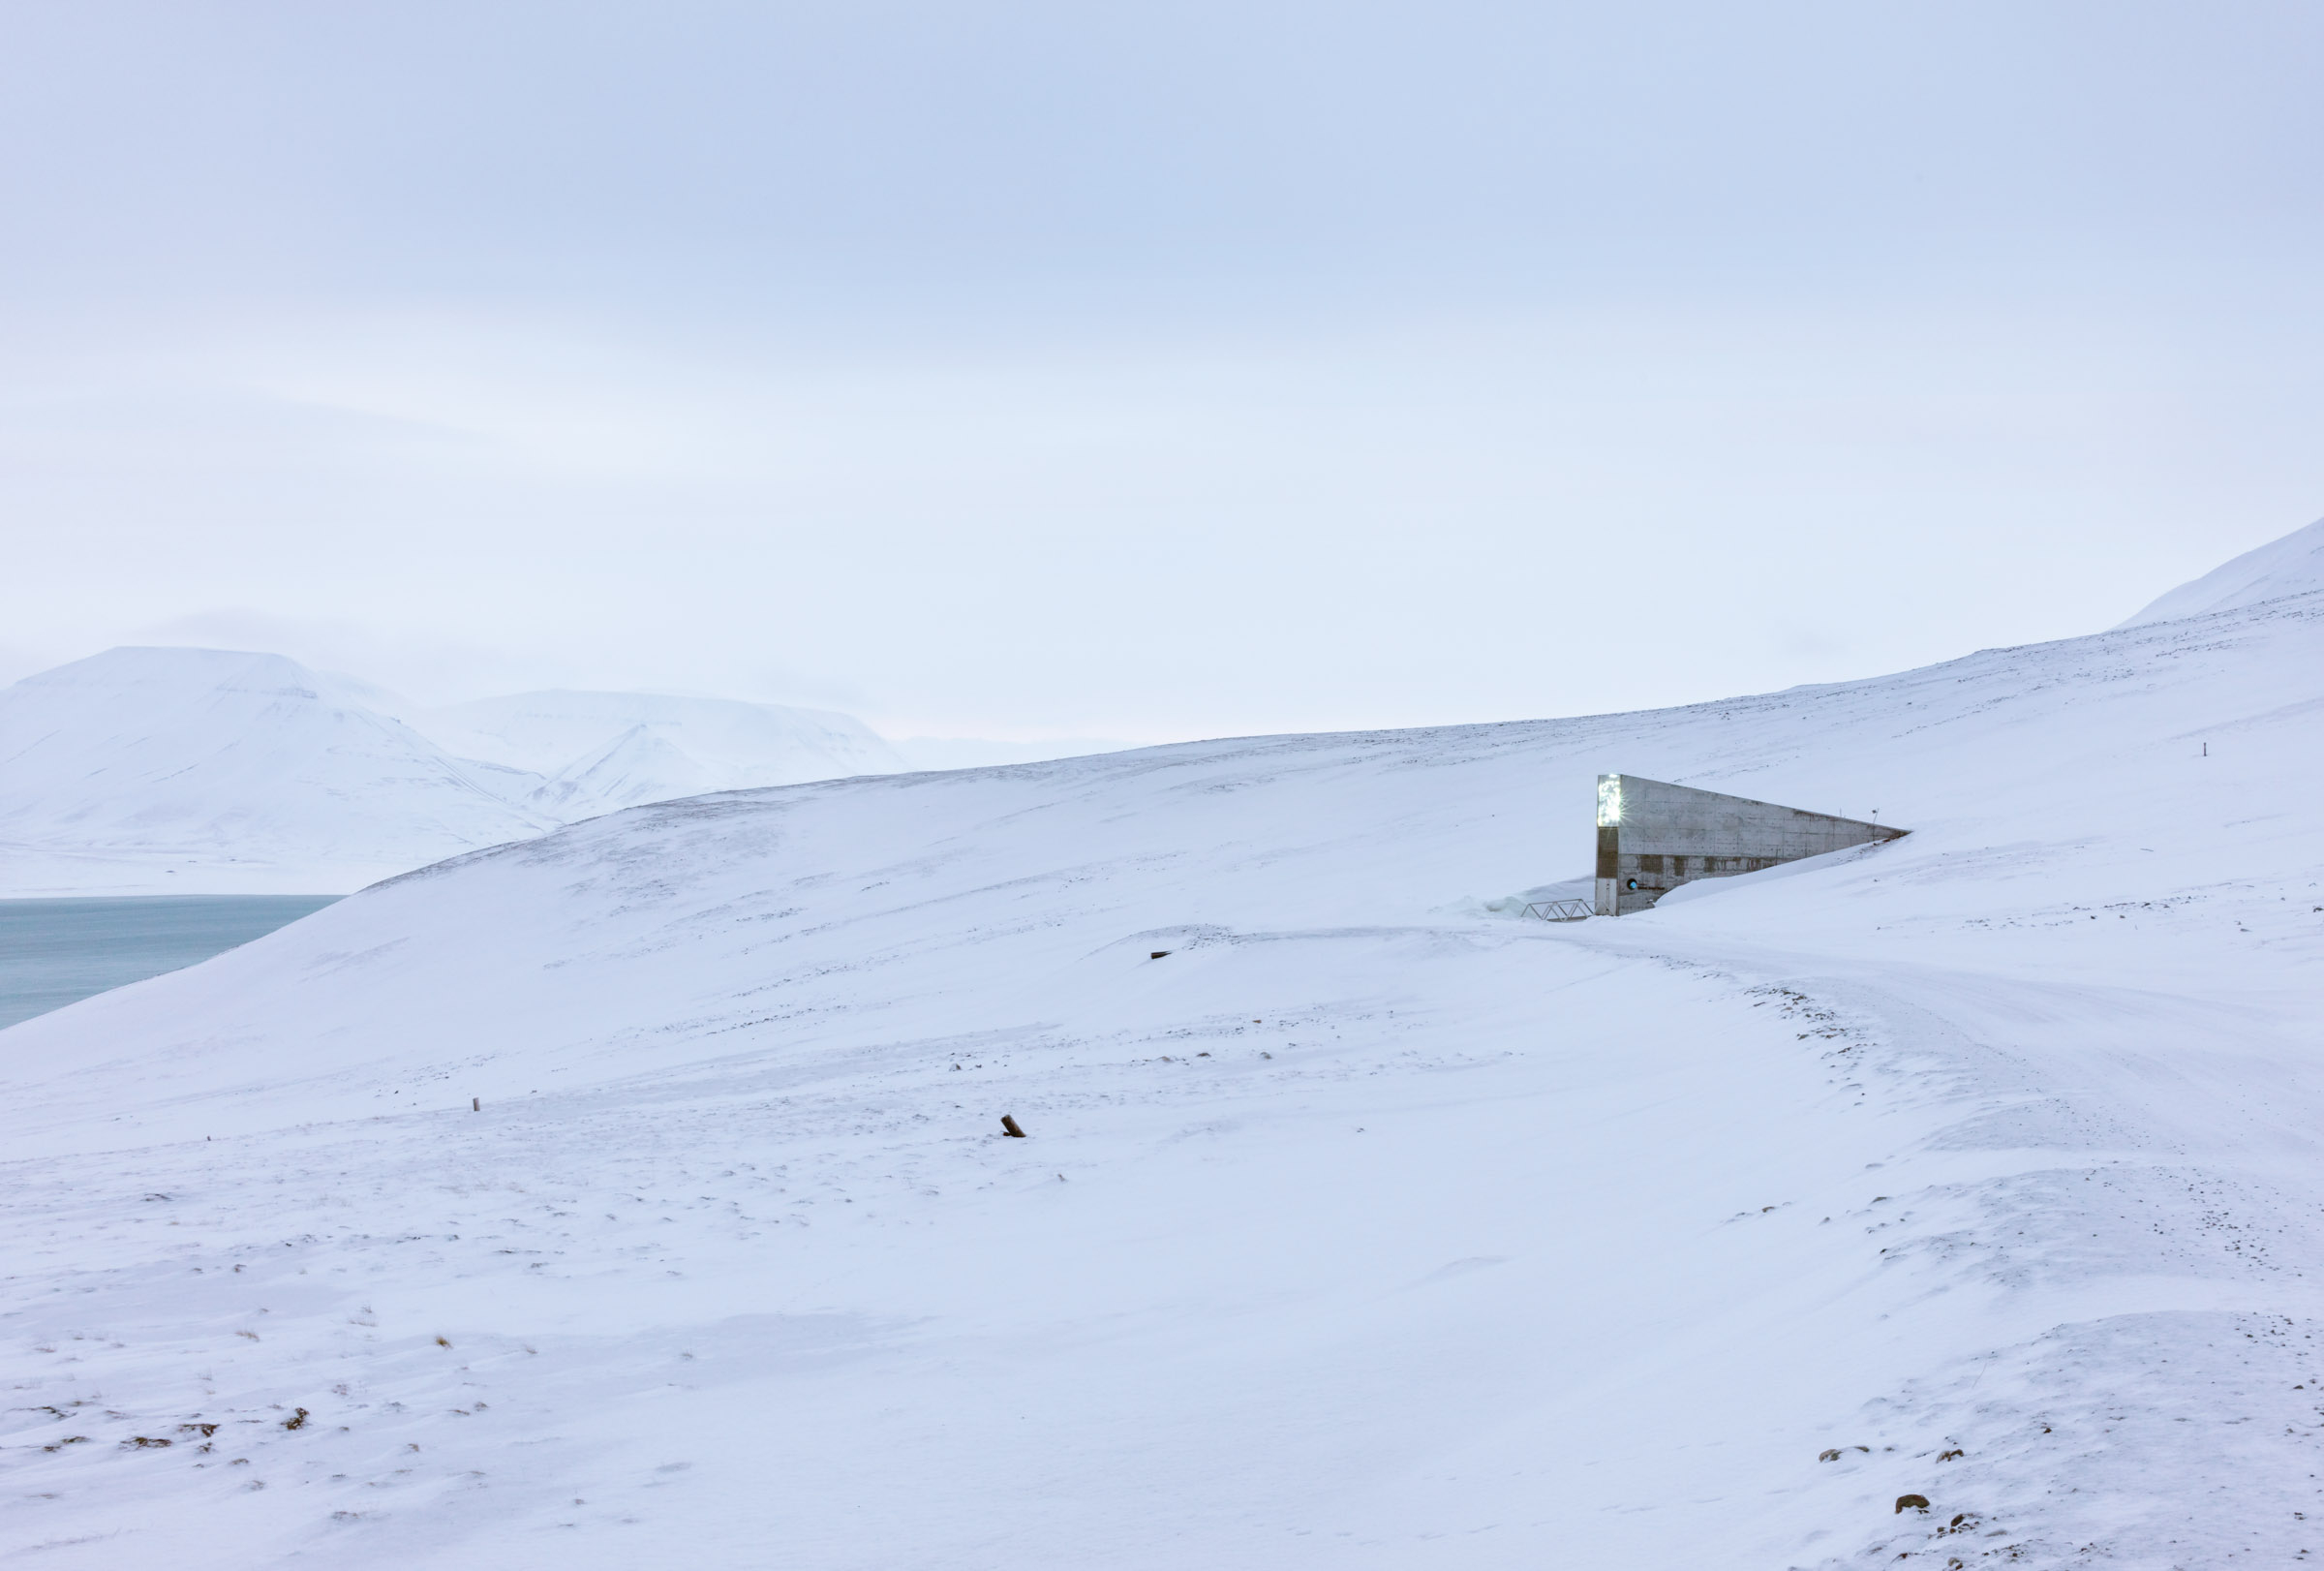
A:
(1147, 371)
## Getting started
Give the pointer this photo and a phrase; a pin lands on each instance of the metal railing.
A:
(1559, 910)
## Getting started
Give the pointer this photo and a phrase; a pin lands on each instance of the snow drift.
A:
(1350, 1231)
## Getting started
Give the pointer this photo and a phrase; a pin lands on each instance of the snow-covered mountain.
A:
(610, 750)
(2291, 566)
(1357, 1224)
(219, 771)
(241, 772)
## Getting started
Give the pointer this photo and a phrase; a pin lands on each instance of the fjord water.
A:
(55, 952)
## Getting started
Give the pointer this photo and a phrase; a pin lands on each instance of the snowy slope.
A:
(1366, 1229)
(139, 769)
(2291, 566)
(975, 753)
(614, 749)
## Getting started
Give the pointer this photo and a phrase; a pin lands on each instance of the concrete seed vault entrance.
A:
(1654, 836)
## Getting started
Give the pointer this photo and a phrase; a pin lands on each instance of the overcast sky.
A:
(1147, 371)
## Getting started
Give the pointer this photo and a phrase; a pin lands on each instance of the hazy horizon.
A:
(1024, 371)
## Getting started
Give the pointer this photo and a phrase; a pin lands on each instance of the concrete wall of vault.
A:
(1656, 836)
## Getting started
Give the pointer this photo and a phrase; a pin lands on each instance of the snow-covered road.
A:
(1365, 1228)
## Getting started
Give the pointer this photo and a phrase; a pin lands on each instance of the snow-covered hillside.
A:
(602, 751)
(1358, 1225)
(971, 753)
(139, 770)
(2291, 566)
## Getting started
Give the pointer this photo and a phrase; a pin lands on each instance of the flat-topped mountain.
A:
(155, 770)
(137, 768)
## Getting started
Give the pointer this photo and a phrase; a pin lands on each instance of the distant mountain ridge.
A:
(150, 769)
(602, 751)
(136, 765)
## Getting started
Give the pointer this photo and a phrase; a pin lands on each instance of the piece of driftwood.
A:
(1008, 1126)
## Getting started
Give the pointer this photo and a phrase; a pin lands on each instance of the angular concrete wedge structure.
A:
(1654, 836)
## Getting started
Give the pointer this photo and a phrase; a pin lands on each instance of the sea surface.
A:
(55, 952)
